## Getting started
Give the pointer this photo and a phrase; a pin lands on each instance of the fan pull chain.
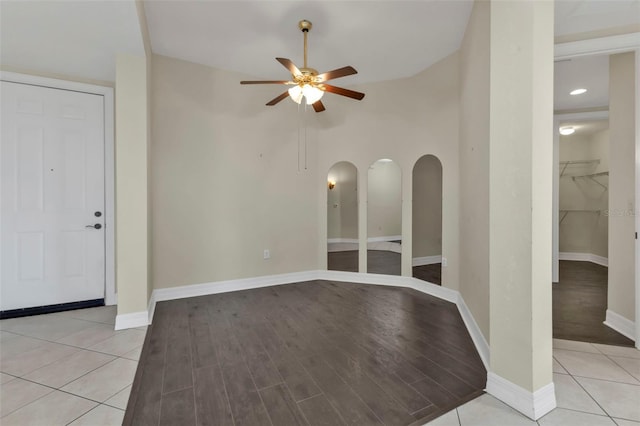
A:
(298, 137)
(305, 135)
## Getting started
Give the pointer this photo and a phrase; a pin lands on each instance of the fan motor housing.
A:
(305, 25)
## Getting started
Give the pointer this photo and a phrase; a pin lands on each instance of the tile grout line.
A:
(72, 346)
(621, 366)
(591, 396)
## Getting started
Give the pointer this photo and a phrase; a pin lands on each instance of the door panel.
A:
(52, 169)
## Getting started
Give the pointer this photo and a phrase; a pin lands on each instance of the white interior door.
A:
(52, 170)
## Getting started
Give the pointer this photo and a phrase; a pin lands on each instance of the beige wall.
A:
(401, 120)
(427, 207)
(474, 165)
(342, 202)
(225, 182)
(584, 231)
(384, 196)
(621, 289)
(131, 183)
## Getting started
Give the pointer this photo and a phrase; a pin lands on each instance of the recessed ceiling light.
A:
(578, 91)
(565, 131)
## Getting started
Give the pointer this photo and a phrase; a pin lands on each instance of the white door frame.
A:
(110, 296)
(608, 46)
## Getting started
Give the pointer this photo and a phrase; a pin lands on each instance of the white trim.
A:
(532, 404)
(172, 293)
(584, 257)
(597, 46)
(637, 199)
(135, 319)
(391, 280)
(384, 238)
(342, 240)
(335, 247)
(151, 307)
(385, 246)
(474, 331)
(110, 296)
(620, 324)
(426, 260)
(580, 116)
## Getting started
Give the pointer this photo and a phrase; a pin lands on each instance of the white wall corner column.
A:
(637, 215)
(520, 205)
(406, 258)
(556, 202)
(363, 182)
(131, 191)
(622, 193)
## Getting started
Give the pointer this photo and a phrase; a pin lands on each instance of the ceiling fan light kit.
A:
(306, 81)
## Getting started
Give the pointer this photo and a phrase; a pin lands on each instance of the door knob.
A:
(96, 226)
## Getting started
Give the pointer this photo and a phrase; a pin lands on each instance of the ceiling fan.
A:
(307, 82)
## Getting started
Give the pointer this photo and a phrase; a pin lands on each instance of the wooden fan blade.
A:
(278, 98)
(268, 82)
(289, 65)
(318, 106)
(344, 92)
(340, 72)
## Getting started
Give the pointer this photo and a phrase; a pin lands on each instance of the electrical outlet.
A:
(444, 262)
(266, 254)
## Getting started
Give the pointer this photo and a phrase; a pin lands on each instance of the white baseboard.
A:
(426, 260)
(385, 238)
(132, 320)
(343, 240)
(172, 293)
(385, 246)
(391, 280)
(474, 330)
(335, 247)
(584, 257)
(620, 324)
(151, 307)
(532, 404)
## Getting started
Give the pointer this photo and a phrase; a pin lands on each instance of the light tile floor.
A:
(72, 368)
(595, 385)
(68, 368)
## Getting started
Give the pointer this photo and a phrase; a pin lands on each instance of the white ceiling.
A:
(589, 72)
(75, 38)
(586, 127)
(578, 16)
(381, 39)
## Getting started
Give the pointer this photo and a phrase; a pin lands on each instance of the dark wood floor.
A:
(580, 305)
(316, 353)
(381, 262)
(431, 273)
(343, 261)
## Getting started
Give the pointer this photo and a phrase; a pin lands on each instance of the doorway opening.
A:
(427, 219)
(586, 154)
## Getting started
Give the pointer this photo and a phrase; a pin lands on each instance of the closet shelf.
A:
(565, 212)
(591, 177)
(577, 164)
